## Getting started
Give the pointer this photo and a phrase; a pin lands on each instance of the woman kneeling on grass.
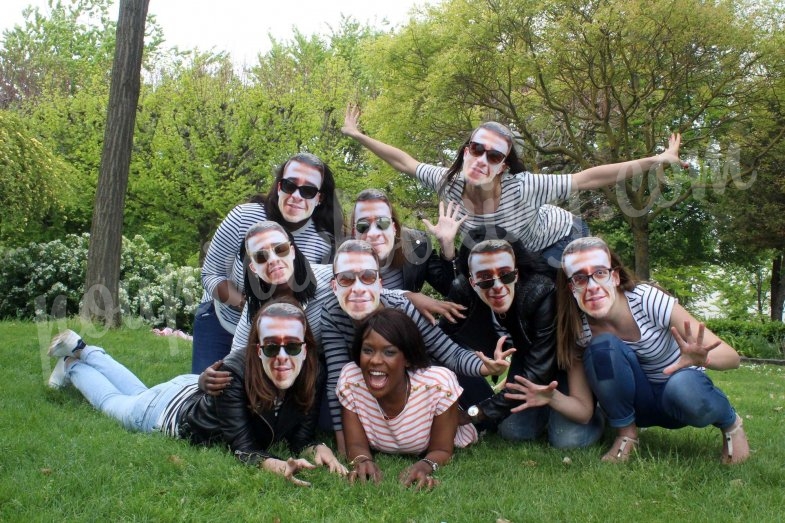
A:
(270, 398)
(395, 402)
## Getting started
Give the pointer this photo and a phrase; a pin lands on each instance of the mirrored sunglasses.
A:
(364, 224)
(280, 250)
(506, 278)
(292, 348)
(347, 278)
(494, 157)
(306, 191)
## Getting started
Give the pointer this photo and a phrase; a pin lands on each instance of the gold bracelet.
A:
(354, 462)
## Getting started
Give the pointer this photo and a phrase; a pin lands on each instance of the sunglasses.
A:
(580, 280)
(280, 250)
(364, 224)
(292, 348)
(506, 278)
(347, 278)
(306, 191)
(494, 157)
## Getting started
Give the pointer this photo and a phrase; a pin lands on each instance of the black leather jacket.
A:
(531, 323)
(227, 418)
(423, 263)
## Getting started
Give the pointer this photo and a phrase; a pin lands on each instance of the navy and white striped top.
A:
(651, 309)
(338, 333)
(223, 263)
(313, 309)
(522, 207)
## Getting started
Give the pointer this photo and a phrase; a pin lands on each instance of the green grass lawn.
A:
(62, 460)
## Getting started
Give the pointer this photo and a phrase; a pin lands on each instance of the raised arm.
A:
(604, 175)
(398, 159)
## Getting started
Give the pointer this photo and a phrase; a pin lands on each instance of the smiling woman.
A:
(302, 200)
(395, 402)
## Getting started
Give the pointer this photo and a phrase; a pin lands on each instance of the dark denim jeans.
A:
(687, 398)
(211, 341)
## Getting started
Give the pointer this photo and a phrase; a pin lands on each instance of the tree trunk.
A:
(777, 288)
(640, 238)
(101, 300)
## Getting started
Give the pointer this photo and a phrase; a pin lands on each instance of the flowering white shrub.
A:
(48, 279)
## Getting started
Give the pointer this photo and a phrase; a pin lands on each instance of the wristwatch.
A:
(433, 464)
(474, 413)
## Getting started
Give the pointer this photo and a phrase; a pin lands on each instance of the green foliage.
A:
(752, 338)
(34, 183)
(46, 279)
(63, 460)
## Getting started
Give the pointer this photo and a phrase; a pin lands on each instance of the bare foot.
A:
(735, 448)
(620, 452)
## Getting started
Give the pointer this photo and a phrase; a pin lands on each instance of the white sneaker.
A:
(58, 379)
(65, 343)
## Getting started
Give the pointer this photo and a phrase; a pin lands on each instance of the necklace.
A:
(405, 401)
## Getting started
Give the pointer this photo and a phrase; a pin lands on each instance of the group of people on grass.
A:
(301, 332)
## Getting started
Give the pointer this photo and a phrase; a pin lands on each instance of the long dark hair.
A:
(568, 315)
(399, 329)
(257, 291)
(514, 164)
(327, 216)
(261, 391)
(372, 195)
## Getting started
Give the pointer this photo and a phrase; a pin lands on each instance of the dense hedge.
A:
(753, 339)
(48, 279)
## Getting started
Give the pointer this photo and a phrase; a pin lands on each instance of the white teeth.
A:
(377, 373)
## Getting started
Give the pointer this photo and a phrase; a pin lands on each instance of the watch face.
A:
(473, 411)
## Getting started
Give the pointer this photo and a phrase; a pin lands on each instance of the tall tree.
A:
(103, 259)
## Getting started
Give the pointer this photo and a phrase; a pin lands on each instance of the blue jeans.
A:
(552, 254)
(211, 341)
(118, 393)
(563, 433)
(687, 398)
(530, 424)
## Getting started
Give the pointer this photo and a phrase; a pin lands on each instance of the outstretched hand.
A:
(499, 363)
(351, 120)
(671, 154)
(447, 227)
(431, 307)
(323, 456)
(693, 350)
(289, 468)
(529, 393)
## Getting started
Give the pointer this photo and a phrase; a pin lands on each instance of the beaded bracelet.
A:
(354, 462)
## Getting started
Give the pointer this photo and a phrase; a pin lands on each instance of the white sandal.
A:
(621, 455)
(728, 435)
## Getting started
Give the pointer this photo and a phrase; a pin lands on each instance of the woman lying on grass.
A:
(270, 398)
(394, 402)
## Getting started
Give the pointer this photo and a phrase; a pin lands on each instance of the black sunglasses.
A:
(507, 277)
(306, 191)
(364, 224)
(280, 250)
(347, 278)
(292, 348)
(494, 157)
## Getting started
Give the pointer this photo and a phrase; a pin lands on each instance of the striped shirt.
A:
(392, 278)
(522, 207)
(338, 334)
(433, 391)
(651, 309)
(313, 309)
(170, 419)
(223, 263)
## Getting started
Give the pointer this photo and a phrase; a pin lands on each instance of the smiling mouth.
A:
(377, 379)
